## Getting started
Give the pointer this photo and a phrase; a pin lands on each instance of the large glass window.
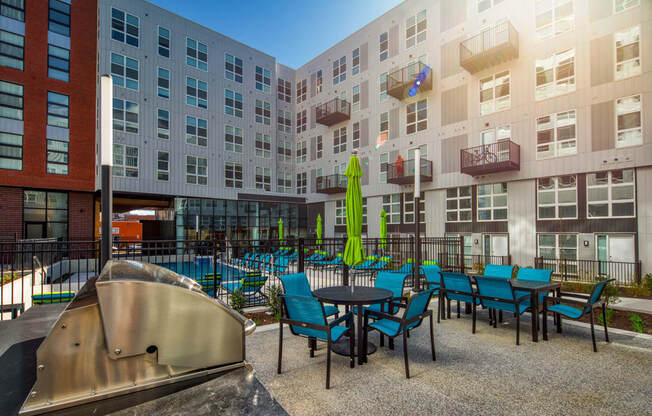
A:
(163, 42)
(555, 75)
(355, 132)
(383, 160)
(339, 70)
(59, 17)
(13, 9)
(11, 151)
(124, 71)
(392, 207)
(196, 170)
(302, 91)
(340, 212)
(302, 183)
(355, 98)
(458, 204)
(12, 50)
(11, 100)
(495, 93)
(263, 80)
(408, 208)
(417, 116)
(611, 194)
(124, 27)
(284, 121)
(339, 140)
(284, 89)
(557, 135)
(263, 178)
(284, 151)
(58, 106)
(415, 29)
(196, 54)
(163, 166)
(58, 63)
(233, 103)
(163, 83)
(492, 202)
(196, 93)
(355, 61)
(628, 52)
(125, 161)
(557, 197)
(302, 152)
(383, 86)
(302, 121)
(629, 130)
(284, 182)
(383, 46)
(163, 124)
(263, 112)
(622, 5)
(263, 146)
(233, 68)
(558, 246)
(233, 139)
(196, 131)
(125, 116)
(554, 17)
(45, 214)
(57, 157)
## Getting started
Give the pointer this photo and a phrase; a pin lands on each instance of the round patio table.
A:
(353, 296)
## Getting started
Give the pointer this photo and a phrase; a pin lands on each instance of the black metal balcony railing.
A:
(333, 112)
(502, 156)
(625, 273)
(409, 81)
(491, 47)
(331, 184)
(402, 173)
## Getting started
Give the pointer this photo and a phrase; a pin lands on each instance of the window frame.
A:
(555, 81)
(161, 131)
(339, 70)
(494, 101)
(492, 208)
(383, 49)
(123, 167)
(162, 175)
(8, 45)
(9, 141)
(18, 98)
(556, 204)
(58, 59)
(339, 140)
(235, 75)
(555, 22)
(124, 120)
(417, 32)
(418, 122)
(355, 57)
(122, 80)
(355, 98)
(196, 61)
(458, 198)
(196, 174)
(610, 201)
(640, 117)
(56, 23)
(263, 146)
(263, 112)
(233, 145)
(54, 115)
(639, 58)
(408, 208)
(319, 147)
(265, 182)
(389, 206)
(236, 183)
(233, 110)
(124, 30)
(263, 80)
(158, 42)
(52, 151)
(638, 3)
(160, 88)
(5, 5)
(197, 124)
(340, 212)
(554, 117)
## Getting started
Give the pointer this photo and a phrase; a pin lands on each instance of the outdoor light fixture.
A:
(106, 153)
(476, 242)
(586, 243)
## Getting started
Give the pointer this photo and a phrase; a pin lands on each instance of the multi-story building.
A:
(47, 118)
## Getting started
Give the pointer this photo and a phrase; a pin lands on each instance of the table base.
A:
(341, 347)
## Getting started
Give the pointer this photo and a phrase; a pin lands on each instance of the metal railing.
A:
(501, 156)
(488, 39)
(331, 183)
(333, 111)
(591, 271)
(416, 75)
(403, 172)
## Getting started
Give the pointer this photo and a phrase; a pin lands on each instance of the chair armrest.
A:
(399, 304)
(566, 301)
(345, 317)
(381, 315)
(522, 298)
(574, 295)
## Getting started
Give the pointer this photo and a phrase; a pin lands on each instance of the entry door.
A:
(496, 245)
(621, 248)
(617, 249)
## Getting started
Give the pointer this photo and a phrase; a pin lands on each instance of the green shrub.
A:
(238, 301)
(638, 290)
(637, 322)
(610, 293)
(515, 271)
(478, 267)
(274, 301)
(647, 281)
(609, 314)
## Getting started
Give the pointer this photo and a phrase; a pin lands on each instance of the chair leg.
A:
(544, 328)
(500, 316)
(458, 309)
(473, 316)
(558, 323)
(518, 328)
(280, 348)
(391, 343)
(352, 346)
(312, 343)
(432, 340)
(491, 317)
(405, 356)
(495, 318)
(328, 365)
(595, 348)
(448, 307)
(604, 320)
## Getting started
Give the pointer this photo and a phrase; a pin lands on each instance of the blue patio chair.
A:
(536, 275)
(392, 281)
(392, 326)
(306, 318)
(457, 287)
(575, 309)
(496, 270)
(433, 277)
(497, 294)
(297, 284)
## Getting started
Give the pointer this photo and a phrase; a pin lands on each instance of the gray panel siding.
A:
(364, 163)
(364, 95)
(646, 45)
(393, 41)
(602, 126)
(313, 180)
(453, 12)
(313, 84)
(364, 132)
(602, 60)
(313, 117)
(364, 57)
(599, 9)
(313, 148)
(450, 58)
(454, 105)
(450, 153)
(393, 123)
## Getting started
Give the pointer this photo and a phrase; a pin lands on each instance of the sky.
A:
(293, 31)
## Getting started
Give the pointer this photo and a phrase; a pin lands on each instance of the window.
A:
(302, 183)
(556, 135)
(302, 121)
(11, 100)
(58, 105)
(355, 61)
(284, 120)
(384, 127)
(383, 86)
(284, 183)
(263, 112)
(302, 152)
(13, 9)
(355, 141)
(558, 246)
(629, 130)
(415, 29)
(163, 166)
(320, 147)
(417, 116)
(302, 91)
(284, 90)
(233, 139)
(487, 4)
(628, 55)
(124, 27)
(392, 207)
(263, 80)
(263, 146)
(58, 63)
(619, 5)
(384, 46)
(408, 208)
(557, 197)
(339, 140)
(458, 204)
(554, 19)
(59, 18)
(384, 160)
(492, 202)
(340, 212)
(196, 54)
(196, 131)
(339, 70)
(47, 210)
(610, 194)
(263, 178)
(233, 68)
(163, 124)
(196, 170)
(339, 169)
(163, 83)
(12, 50)
(284, 151)
(57, 157)
(196, 93)
(355, 95)
(320, 82)
(11, 151)
(163, 43)
(233, 175)
(495, 93)
(125, 161)
(124, 71)
(232, 103)
(125, 116)
(555, 75)
(364, 211)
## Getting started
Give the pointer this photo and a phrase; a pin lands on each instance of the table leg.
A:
(535, 315)
(558, 293)
(361, 357)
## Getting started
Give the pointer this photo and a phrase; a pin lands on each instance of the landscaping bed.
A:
(622, 320)
(264, 318)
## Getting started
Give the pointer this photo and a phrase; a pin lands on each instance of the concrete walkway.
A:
(636, 305)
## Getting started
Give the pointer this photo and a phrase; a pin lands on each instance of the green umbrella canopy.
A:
(353, 252)
(318, 230)
(280, 230)
(383, 229)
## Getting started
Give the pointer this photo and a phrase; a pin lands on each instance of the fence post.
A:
(214, 243)
(638, 277)
(345, 268)
(564, 268)
(462, 260)
(300, 258)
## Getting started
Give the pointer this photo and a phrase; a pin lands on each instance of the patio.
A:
(483, 373)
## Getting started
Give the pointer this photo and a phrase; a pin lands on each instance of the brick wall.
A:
(80, 216)
(11, 208)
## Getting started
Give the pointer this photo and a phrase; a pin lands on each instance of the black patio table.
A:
(358, 296)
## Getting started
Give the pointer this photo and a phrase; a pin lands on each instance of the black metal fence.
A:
(590, 271)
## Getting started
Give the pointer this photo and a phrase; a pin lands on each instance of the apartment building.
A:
(47, 119)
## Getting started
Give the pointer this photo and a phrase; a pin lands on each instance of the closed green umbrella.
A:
(354, 252)
(383, 229)
(280, 231)
(318, 230)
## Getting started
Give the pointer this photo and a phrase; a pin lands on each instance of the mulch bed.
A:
(620, 320)
(261, 318)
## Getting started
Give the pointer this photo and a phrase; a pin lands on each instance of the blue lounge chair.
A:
(210, 282)
(297, 284)
(366, 264)
(457, 287)
(251, 285)
(336, 262)
(381, 265)
(279, 266)
(242, 261)
(575, 309)
(52, 297)
(495, 270)
(497, 294)
(392, 326)
(306, 318)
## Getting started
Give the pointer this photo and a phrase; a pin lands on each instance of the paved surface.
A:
(633, 305)
(485, 373)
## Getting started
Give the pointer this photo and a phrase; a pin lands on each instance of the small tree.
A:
(238, 301)
(274, 301)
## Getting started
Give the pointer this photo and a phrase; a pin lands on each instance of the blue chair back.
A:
(296, 284)
(417, 305)
(432, 273)
(496, 287)
(538, 275)
(308, 310)
(393, 282)
(406, 268)
(458, 282)
(598, 289)
(495, 270)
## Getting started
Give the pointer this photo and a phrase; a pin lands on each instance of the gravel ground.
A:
(485, 373)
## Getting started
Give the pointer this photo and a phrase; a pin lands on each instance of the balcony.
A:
(331, 184)
(333, 112)
(491, 47)
(409, 81)
(402, 173)
(502, 156)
